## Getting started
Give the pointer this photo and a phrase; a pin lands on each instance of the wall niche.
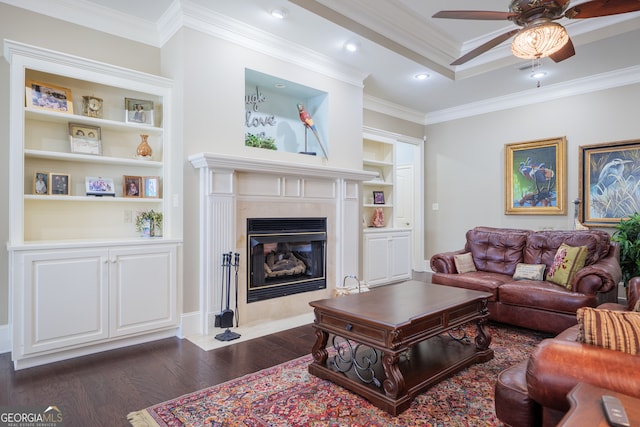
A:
(272, 118)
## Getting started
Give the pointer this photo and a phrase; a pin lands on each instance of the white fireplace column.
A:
(220, 179)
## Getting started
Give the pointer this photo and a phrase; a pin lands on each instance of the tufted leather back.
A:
(541, 246)
(496, 250)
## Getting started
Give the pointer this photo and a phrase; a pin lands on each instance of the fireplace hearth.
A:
(286, 256)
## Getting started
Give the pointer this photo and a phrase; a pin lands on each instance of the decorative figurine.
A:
(377, 220)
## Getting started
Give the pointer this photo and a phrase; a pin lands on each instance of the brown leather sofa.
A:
(533, 392)
(533, 304)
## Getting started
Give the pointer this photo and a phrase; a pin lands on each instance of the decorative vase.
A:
(146, 228)
(144, 149)
(157, 230)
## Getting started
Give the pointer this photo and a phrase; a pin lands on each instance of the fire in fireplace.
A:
(286, 256)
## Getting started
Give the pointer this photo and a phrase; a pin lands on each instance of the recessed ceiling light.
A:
(280, 85)
(421, 76)
(351, 46)
(279, 13)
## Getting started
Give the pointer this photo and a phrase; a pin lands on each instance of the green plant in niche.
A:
(260, 141)
(627, 234)
(150, 215)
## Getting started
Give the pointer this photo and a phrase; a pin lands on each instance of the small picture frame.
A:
(132, 186)
(85, 139)
(98, 186)
(378, 197)
(46, 96)
(59, 184)
(138, 111)
(151, 186)
(41, 183)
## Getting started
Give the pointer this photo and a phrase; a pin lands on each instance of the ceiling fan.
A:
(540, 36)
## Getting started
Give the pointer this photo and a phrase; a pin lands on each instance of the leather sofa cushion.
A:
(541, 246)
(474, 280)
(544, 296)
(497, 250)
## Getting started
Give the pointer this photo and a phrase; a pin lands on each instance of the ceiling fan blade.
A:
(484, 47)
(474, 14)
(566, 52)
(595, 8)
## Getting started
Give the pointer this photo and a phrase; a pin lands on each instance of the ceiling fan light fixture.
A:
(539, 39)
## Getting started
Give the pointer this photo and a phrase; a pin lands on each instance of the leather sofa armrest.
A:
(556, 366)
(443, 262)
(601, 276)
(633, 292)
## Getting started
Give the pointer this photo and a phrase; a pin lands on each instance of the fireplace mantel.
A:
(234, 188)
(248, 164)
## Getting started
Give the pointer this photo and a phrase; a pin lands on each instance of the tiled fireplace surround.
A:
(234, 188)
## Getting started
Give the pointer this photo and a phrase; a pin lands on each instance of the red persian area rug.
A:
(287, 395)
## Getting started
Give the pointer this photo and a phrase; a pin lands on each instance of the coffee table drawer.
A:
(352, 329)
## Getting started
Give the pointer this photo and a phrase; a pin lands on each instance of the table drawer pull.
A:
(348, 327)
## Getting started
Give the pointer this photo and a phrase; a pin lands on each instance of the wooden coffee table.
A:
(395, 341)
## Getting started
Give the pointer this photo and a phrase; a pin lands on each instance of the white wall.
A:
(464, 165)
(213, 98)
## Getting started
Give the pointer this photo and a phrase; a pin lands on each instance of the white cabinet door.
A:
(65, 299)
(400, 256)
(143, 289)
(387, 257)
(376, 259)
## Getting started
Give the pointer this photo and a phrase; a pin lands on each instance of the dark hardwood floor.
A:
(101, 389)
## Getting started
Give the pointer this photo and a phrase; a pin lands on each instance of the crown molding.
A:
(622, 77)
(185, 13)
(382, 106)
(95, 17)
(221, 26)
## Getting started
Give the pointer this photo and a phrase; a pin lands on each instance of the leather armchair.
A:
(533, 392)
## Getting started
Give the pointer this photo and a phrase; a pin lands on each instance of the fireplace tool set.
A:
(226, 316)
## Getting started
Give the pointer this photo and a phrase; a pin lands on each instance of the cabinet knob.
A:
(348, 326)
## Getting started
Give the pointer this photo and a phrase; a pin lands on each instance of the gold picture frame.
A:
(50, 97)
(535, 177)
(608, 182)
(40, 183)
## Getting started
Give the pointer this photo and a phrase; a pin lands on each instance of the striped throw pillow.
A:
(615, 330)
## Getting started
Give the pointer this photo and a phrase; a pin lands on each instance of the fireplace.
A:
(286, 256)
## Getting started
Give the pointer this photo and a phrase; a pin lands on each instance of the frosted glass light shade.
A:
(539, 40)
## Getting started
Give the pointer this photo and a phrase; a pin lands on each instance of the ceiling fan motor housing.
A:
(529, 10)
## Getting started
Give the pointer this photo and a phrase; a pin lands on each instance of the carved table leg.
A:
(319, 350)
(394, 383)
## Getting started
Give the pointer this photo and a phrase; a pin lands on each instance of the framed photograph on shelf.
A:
(535, 177)
(41, 183)
(131, 186)
(85, 139)
(608, 181)
(138, 111)
(378, 197)
(59, 184)
(48, 97)
(151, 186)
(98, 186)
